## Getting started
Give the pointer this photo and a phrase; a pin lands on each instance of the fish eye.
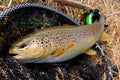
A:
(21, 45)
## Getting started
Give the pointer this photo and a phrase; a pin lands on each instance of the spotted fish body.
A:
(57, 44)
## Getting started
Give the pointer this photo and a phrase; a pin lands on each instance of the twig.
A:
(76, 4)
(9, 4)
(1, 6)
(78, 77)
(60, 72)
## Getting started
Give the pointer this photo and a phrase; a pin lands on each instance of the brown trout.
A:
(57, 44)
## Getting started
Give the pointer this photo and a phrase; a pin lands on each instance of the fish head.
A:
(25, 49)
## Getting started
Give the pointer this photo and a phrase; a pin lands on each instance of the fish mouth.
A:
(12, 54)
(15, 55)
(23, 59)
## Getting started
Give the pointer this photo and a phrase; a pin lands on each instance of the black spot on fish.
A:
(57, 37)
(41, 42)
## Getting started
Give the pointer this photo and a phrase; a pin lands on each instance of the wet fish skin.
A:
(57, 44)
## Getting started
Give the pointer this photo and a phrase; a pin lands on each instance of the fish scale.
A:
(57, 44)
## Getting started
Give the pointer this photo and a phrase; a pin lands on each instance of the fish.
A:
(57, 44)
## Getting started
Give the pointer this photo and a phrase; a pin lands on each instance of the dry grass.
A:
(108, 7)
